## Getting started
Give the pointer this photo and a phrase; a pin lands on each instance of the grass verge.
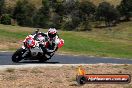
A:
(98, 42)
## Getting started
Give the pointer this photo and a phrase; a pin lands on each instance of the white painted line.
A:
(3, 67)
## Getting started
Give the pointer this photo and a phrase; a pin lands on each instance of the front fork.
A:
(26, 52)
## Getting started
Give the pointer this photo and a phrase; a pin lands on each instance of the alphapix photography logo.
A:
(83, 78)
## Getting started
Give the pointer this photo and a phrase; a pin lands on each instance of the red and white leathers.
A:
(52, 43)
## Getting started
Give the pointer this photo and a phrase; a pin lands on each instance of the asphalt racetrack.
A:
(5, 59)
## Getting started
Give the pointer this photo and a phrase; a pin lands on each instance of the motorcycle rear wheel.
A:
(17, 56)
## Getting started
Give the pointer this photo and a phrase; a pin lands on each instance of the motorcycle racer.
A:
(38, 46)
(48, 41)
(53, 39)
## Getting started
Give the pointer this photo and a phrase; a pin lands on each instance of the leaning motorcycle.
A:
(32, 48)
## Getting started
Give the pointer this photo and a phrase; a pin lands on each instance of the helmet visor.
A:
(51, 35)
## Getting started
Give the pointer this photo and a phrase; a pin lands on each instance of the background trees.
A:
(87, 13)
(125, 9)
(65, 14)
(71, 15)
(1, 7)
(23, 13)
(41, 17)
(107, 13)
(6, 19)
(87, 10)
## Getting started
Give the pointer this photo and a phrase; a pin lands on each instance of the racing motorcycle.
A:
(35, 48)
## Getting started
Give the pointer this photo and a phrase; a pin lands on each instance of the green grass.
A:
(93, 46)
(9, 34)
(98, 42)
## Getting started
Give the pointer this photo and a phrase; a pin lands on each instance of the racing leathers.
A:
(52, 43)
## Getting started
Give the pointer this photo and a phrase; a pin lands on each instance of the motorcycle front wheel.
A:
(43, 59)
(17, 56)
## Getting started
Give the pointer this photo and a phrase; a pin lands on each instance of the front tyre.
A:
(17, 56)
(43, 59)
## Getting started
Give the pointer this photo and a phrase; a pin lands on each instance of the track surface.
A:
(5, 59)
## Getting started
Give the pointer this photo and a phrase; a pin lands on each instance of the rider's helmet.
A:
(52, 33)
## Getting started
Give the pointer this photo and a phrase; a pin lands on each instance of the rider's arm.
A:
(36, 31)
(57, 40)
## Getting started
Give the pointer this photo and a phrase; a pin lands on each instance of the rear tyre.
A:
(17, 56)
